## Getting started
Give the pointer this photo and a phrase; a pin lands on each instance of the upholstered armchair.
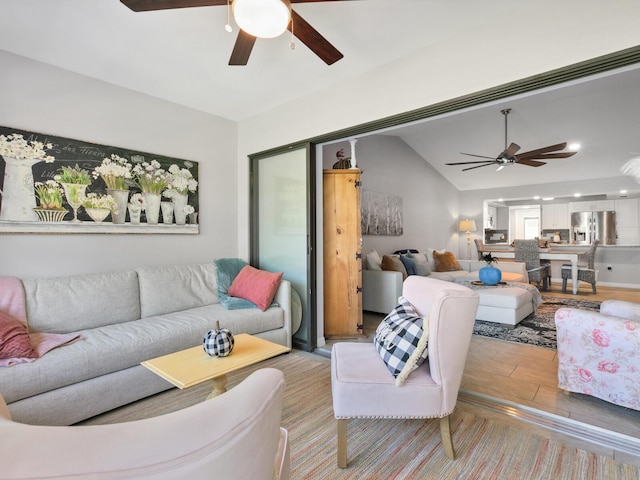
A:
(599, 352)
(236, 435)
(362, 386)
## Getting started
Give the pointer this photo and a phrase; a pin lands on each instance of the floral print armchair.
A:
(599, 352)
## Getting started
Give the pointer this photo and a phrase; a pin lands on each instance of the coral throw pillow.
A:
(257, 286)
(14, 338)
(446, 262)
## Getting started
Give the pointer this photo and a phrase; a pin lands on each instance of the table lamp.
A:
(467, 226)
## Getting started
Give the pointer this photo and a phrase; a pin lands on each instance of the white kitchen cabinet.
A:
(627, 221)
(555, 216)
(592, 206)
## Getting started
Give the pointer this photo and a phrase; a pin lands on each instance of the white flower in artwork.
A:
(188, 209)
(15, 146)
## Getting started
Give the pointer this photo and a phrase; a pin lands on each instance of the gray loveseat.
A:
(123, 318)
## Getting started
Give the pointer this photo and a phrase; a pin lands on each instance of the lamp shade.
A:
(262, 18)
(467, 226)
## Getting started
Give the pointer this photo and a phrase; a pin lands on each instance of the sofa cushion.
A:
(257, 286)
(14, 338)
(409, 264)
(112, 348)
(374, 261)
(446, 262)
(176, 287)
(421, 263)
(394, 264)
(401, 340)
(80, 302)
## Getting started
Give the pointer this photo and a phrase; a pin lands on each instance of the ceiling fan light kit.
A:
(262, 18)
(256, 19)
(510, 156)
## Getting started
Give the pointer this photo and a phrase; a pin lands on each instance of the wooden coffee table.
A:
(192, 366)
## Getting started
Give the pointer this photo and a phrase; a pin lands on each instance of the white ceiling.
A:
(181, 56)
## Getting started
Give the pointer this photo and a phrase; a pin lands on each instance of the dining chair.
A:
(527, 251)
(479, 247)
(363, 387)
(586, 273)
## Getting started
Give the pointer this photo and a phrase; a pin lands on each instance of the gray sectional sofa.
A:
(123, 318)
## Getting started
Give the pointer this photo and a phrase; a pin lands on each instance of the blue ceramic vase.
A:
(490, 275)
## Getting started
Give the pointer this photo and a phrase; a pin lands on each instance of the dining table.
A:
(570, 255)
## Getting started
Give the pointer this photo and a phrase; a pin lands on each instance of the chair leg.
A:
(564, 285)
(593, 288)
(445, 433)
(342, 443)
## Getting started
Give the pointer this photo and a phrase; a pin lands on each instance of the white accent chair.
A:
(236, 435)
(362, 386)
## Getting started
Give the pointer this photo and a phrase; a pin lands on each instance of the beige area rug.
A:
(392, 449)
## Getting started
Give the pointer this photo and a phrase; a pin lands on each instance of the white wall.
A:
(40, 98)
(430, 202)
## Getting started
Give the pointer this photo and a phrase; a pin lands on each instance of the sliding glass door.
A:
(282, 229)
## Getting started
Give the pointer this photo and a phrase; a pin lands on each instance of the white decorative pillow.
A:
(374, 260)
(401, 340)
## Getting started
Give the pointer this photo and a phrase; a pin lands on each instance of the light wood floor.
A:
(527, 375)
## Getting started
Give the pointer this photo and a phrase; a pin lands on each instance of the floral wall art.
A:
(55, 184)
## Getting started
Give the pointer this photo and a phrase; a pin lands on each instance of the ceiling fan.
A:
(297, 25)
(509, 157)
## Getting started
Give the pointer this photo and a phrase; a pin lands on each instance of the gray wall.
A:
(44, 99)
(430, 203)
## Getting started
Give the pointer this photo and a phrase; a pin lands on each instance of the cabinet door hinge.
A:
(358, 290)
(359, 256)
(360, 327)
(357, 183)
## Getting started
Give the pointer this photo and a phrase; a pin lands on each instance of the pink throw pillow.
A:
(14, 338)
(255, 285)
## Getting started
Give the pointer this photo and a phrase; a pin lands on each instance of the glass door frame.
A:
(310, 316)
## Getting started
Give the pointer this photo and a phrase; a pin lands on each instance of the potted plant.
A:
(489, 275)
(49, 196)
(115, 171)
(74, 180)
(99, 206)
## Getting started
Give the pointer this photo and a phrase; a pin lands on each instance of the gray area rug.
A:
(539, 328)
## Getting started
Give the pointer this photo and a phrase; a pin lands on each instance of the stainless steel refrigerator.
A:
(589, 226)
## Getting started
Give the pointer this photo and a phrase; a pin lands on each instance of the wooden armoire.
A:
(342, 254)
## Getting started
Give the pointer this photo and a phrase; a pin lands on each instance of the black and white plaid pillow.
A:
(401, 340)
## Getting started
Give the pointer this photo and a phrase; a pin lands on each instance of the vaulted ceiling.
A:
(182, 56)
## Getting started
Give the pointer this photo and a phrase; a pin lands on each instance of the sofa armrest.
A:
(380, 290)
(620, 308)
(283, 298)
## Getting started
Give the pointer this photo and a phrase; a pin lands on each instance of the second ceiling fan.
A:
(297, 25)
(510, 156)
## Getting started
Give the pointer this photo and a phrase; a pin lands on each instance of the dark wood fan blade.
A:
(510, 151)
(469, 163)
(312, 39)
(478, 166)
(149, 5)
(544, 156)
(242, 48)
(539, 151)
(479, 156)
(531, 163)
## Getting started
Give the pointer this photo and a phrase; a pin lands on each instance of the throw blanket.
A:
(12, 301)
(536, 298)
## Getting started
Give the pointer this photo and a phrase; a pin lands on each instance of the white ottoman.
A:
(508, 305)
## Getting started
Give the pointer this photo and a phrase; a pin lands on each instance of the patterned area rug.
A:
(537, 329)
